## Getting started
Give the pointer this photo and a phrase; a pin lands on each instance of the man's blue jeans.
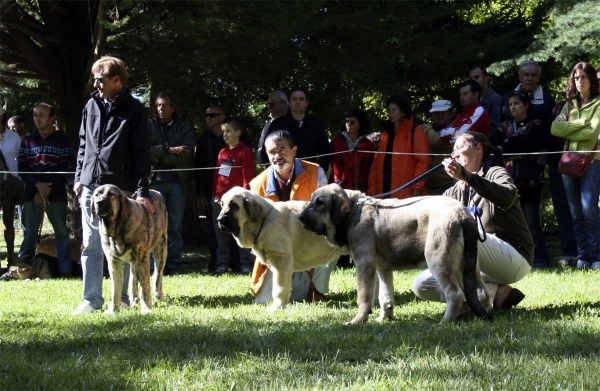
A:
(568, 244)
(582, 195)
(33, 214)
(174, 197)
(92, 257)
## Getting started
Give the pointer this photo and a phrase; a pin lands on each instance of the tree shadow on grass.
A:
(209, 301)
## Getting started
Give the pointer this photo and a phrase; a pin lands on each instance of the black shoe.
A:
(168, 272)
(245, 269)
(221, 269)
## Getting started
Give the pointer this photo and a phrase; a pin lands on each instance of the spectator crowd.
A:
(521, 134)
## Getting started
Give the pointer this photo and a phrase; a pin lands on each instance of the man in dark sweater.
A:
(172, 149)
(41, 152)
(114, 148)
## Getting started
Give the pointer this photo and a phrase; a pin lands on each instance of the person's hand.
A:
(147, 204)
(44, 188)
(77, 188)
(179, 151)
(417, 192)
(455, 170)
(38, 199)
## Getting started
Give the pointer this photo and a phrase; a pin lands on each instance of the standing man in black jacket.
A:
(114, 148)
(172, 148)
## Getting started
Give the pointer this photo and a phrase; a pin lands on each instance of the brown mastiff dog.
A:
(385, 235)
(274, 233)
(130, 233)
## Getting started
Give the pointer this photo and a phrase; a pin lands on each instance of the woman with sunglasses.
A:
(350, 169)
(523, 135)
(579, 124)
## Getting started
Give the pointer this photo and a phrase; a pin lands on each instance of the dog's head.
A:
(328, 213)
(21, 269)
(106, 202)
(238, 206)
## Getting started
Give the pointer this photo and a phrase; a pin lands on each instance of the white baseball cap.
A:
(440, 105)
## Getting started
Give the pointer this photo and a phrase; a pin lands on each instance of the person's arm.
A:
(478, 115)
(181, 155)
(321, 178)
(139, 144)
(575, 129)
(499, 188)
(422, 162)
(531, 141)
(248, 167)
(375, 167)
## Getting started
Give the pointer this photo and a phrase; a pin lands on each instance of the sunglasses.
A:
(350, 122)
(99, 79)
(211, 115)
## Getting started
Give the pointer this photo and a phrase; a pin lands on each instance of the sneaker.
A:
(84, 308)
(581, 264)
(596, 265)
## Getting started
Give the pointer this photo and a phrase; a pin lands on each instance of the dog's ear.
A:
(250, 206)
(340, 209)
(93, 207)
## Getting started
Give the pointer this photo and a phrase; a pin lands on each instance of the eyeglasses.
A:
(459, 148)
(99, 79)
(211, 115)
(350, 122)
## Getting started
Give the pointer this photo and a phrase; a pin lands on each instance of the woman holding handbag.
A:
(579, 124)
(525, 135)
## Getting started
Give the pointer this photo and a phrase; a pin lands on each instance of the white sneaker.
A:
(84, 308)
(125, 306)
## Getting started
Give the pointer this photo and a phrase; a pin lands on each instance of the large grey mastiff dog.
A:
(130, 233)
(274, 233)
(385, 235)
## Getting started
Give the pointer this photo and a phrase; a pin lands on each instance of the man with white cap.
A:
(441, 115)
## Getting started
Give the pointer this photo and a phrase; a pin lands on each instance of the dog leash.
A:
(421, 177)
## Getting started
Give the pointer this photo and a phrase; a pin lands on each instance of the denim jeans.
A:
(224, 243)
(33, 215)
(92, 256)
(174, 197)
(532, 217)
(568, 244)
(582, 195)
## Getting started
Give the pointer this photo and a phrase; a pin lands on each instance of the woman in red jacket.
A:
(351, 169)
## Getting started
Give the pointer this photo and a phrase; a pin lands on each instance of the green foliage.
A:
(208, 335)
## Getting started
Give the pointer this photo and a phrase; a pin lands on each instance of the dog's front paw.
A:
(273, 307)
(111, 310)
(358, 319)
(145, 310)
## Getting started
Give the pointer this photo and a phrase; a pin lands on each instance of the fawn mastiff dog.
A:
(130, 233)
(277, 238)
(385, 235)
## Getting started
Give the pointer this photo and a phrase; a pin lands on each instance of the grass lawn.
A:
(208, 335)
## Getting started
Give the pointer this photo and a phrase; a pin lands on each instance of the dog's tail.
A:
(470, 236)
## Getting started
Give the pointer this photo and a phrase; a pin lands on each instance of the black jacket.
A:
(114, 147)
(310, 135)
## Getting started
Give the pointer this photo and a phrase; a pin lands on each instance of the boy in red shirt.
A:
(236, 168)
